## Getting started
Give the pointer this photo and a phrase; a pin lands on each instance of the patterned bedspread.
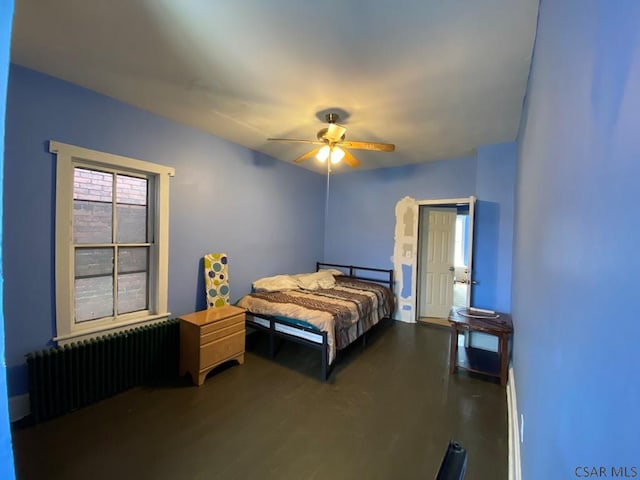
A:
(345, 311)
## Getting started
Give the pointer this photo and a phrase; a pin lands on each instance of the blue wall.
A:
(6, 453)
(361, 221)
(267, 215)
(493, 232)
(576, 331)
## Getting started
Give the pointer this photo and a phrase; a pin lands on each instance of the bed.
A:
(343, 304)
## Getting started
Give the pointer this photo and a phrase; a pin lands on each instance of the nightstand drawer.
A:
(210, 337)
(221, 324)
(221, 349)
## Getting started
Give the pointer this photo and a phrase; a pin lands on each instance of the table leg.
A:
(453, 351)
(504, 358)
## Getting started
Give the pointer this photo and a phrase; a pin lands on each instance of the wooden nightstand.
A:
(211, 337)
(475, 359)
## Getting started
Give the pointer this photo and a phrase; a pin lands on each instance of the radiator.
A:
(63, 379)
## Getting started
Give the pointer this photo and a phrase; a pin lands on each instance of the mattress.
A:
(344, 311)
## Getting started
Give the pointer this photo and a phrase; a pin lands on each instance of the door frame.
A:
(471, 201)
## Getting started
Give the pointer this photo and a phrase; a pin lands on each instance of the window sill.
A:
(89, 334)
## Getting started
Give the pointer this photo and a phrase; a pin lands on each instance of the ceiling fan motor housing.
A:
(322, 136)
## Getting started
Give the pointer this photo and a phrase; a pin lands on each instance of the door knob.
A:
(451, 269)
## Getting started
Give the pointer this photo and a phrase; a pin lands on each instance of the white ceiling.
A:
(436, 77)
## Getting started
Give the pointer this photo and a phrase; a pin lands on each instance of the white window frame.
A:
(67, 158)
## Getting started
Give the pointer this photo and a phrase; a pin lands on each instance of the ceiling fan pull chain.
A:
(326, 197)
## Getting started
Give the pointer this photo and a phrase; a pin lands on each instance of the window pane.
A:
(93, 262)
(131, 198)
(93, 283)
(133, 274)
(132, 292)
(92, 206)
(94, 298)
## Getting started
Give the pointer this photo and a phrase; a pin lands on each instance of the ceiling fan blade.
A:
(307, 155)
(350, 160)
(315, 142)
(335, 132)
(379, 147)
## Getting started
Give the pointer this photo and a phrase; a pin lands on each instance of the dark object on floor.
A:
(454, 463)
(63, 379)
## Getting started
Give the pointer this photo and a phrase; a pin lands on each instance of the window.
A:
(111, 241)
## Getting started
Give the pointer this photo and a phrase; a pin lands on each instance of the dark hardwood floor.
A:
(387, 412)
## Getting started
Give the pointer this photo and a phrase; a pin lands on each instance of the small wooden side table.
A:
(475, 359)
(209, 338)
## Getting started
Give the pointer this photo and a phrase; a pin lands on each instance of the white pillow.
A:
(316, 280)
(332, 271)
(275, 284)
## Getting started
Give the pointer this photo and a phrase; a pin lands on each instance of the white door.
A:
(438, 282)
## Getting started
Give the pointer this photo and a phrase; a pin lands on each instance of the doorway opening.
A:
(445, 246)
(461, 260)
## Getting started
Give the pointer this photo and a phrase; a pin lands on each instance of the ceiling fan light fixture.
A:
(329, 141)
(323, 153)
(337, 154)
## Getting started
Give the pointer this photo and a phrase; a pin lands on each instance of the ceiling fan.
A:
(333, 146)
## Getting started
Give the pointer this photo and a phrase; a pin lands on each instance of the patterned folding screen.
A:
(216, 279)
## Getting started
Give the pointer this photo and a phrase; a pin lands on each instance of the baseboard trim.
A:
(515, 472)
(19, 407)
